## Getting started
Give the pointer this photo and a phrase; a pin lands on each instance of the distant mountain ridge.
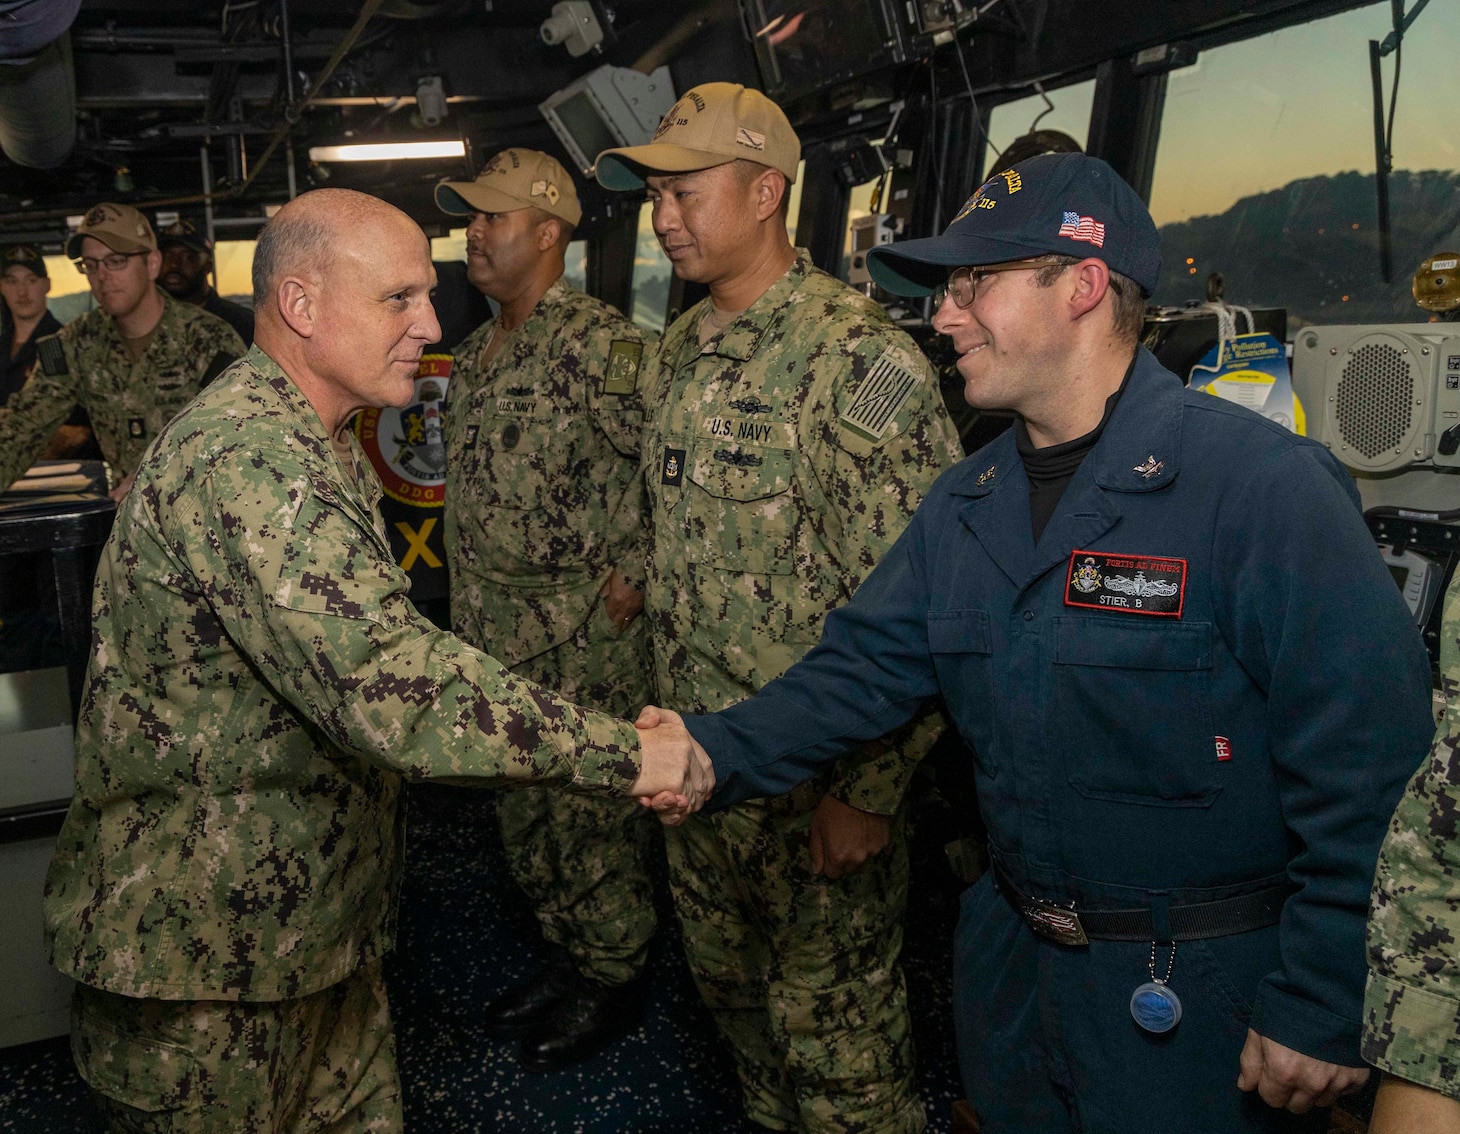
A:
(1309, 244)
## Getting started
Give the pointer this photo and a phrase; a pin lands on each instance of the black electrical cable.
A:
(1048, 109)
(937, 149)
(1389, 512)
(1394, 89)
(972, 98)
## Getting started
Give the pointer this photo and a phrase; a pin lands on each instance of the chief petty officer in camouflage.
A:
(792, 433)
(545, 530)
(224, 886)
(132, 363)
(1412, 1003)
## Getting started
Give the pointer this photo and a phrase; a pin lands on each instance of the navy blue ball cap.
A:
(1071, 204)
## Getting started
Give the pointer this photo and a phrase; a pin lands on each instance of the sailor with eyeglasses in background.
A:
(132, 363)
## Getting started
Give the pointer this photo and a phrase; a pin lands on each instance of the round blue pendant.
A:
(1155, 1007)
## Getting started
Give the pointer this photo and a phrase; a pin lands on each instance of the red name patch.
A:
(1224, 748)
(1127, 584)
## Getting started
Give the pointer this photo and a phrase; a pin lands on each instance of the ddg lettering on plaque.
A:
(407, 447)
(1126, 584)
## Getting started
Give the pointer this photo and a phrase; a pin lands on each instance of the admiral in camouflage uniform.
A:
(544, 515)
(789, 445)
(88, 363)
(1412, 1003)
(224, 887)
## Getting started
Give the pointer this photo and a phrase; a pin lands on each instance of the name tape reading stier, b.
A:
(1127, 584)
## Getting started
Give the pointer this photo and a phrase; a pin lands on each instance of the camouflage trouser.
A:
(318, 1063)
(583, 860)
(1412, 1002)
(800, 971)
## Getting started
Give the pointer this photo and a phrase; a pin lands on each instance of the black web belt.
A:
(1189, 921)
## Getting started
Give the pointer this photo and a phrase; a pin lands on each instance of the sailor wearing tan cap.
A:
(132, 363)
(545, 531)
(792, 433)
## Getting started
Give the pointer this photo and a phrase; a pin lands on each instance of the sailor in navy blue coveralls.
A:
(1193, 704)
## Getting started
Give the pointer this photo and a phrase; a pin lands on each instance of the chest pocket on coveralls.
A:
(1130, 710)
(740, 512)
(962, 649)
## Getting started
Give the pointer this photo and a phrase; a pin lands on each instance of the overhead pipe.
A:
(286, 43)
(684, 29)
(292, 114)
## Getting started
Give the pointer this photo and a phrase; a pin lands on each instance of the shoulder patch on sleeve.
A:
(880, 395)
(221, 362)
(52, 356)
(624, 357)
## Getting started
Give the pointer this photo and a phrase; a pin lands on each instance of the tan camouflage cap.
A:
(1437, 283)
(713, 124)
(514, 179)
(120, 227)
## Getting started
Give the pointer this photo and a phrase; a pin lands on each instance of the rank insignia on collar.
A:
(1150, 467)
(987, 475)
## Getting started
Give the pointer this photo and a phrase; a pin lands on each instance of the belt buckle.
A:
(1053, 922)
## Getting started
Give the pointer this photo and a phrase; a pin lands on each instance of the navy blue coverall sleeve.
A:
(870, 673)
(1311, 614)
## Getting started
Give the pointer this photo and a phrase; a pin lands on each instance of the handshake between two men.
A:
(676, 776)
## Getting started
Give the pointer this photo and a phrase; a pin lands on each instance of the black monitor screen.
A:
(807, 44)
(1401, 575)
(580, 118)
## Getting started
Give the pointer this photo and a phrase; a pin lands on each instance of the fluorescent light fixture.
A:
(388, 151)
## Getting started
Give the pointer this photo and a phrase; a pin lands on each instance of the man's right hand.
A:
(676, 776)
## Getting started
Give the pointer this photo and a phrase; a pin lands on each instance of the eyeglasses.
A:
(963, 283)
(90, 265)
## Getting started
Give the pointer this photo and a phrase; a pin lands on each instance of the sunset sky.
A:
(1256, 115)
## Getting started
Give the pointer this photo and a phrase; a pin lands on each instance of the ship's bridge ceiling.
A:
(161, 83)
(173, 99)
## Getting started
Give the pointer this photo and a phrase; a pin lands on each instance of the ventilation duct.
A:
(37, 82)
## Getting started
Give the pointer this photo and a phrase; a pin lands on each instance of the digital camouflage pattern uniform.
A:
(260, 688)
(786, 457)
(1412, 1002)
(86, 364)
(543, 501)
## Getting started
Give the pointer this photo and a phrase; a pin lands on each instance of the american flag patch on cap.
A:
(1087, 229)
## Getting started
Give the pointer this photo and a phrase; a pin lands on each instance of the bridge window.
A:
(1010, 120)
(1265, 169)
(649, 296)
